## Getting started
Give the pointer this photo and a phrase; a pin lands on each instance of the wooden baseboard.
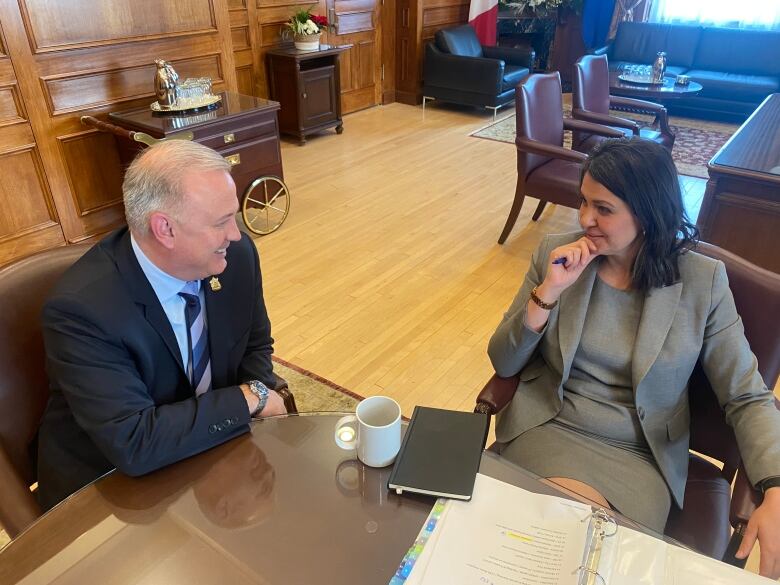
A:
(407, 97)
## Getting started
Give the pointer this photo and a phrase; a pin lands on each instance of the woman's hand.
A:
(764, 525)
(561, 276)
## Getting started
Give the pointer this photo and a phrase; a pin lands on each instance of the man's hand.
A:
(274, 406)
(764, 525)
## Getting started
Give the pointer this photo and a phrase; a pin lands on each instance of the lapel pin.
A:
(215, 284)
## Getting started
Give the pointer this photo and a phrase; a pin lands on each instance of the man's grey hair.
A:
(153, 180)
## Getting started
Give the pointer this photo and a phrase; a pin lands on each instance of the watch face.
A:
(259, 388)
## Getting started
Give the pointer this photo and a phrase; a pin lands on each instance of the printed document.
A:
(505, 536)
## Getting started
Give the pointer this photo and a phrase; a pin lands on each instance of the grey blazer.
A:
(694, 318)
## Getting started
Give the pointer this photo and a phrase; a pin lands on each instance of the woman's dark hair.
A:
(642, 173)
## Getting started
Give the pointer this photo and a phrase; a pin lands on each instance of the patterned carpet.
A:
(312, 393)
(696, 141)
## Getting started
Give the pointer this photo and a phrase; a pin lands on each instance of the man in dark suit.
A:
(158, 341)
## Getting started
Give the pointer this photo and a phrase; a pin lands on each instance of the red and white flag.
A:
(483, 16)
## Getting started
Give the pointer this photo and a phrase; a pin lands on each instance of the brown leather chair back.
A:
(24, 388)
(590, 86)
(539, 108)
(757, 297)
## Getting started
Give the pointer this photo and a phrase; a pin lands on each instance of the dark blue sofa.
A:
(737, 68)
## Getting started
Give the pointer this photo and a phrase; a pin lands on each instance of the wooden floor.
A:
(386, 277)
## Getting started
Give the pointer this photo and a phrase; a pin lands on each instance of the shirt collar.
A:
(164, 285)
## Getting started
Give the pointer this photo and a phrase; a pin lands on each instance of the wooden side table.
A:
(306, 84)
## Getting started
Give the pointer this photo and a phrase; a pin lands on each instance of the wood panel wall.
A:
(416, 23)
(60, 60)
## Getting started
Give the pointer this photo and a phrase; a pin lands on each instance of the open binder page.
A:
(634, 558)
(506, 535)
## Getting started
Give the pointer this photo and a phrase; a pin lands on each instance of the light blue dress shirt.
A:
(167, 289)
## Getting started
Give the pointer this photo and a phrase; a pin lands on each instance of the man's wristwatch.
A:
(260, 390)
(769, 482)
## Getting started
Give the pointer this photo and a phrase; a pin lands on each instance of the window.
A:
(743, 13)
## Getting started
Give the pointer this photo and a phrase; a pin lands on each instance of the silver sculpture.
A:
(166, 80)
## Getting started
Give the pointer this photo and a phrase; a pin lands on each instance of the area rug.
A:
(313, 393)
(695, 144)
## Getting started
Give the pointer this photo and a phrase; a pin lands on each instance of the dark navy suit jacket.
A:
(119, 394)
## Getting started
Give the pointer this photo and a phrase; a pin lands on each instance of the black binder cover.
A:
(440, 453)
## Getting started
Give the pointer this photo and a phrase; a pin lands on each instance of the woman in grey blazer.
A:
(604, 334)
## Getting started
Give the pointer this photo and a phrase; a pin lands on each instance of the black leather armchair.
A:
(458, 69)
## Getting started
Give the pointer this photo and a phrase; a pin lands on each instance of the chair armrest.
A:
(549, 150)
(523, 56)
(583, 126)
(661, 115)
(496, 395)
(744, 500)
(476, 74)
(19, 508)
(606, 120)
(635, 104)
(283, 390)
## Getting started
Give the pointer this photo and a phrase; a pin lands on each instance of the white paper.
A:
(685, 567)
(634, 558)
(505, 536)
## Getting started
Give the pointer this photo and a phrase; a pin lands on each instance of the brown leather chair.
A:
(545, 169)
(709, 505)
(591, 102)
(24, 387)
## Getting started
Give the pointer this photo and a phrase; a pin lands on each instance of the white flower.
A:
(309, 28)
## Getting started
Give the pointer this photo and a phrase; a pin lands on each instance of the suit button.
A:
(641, 412)
(227, 422)
(234, 420)
(213, 429)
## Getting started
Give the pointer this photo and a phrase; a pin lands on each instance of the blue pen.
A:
(561, 260)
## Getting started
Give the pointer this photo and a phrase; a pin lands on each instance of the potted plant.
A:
(541, 8)
(306, 29)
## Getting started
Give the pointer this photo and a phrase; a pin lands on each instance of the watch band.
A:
(540, 302)
(260, 390)
(769, 482)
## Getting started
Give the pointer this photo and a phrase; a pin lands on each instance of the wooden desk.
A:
(741, 207)
(283, 505)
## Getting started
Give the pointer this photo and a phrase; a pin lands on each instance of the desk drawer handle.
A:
(233, 159)
(229, 138)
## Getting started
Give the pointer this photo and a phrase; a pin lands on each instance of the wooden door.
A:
(357, 23)
(319, 96)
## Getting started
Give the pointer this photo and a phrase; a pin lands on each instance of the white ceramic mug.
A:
(374, 430)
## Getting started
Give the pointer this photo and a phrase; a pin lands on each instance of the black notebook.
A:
(440, 453)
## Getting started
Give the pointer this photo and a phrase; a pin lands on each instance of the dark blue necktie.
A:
(199, 362)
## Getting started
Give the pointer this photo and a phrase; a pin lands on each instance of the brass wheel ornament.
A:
(266, 205)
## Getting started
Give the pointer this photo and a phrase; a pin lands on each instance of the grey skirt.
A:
(630, 481)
